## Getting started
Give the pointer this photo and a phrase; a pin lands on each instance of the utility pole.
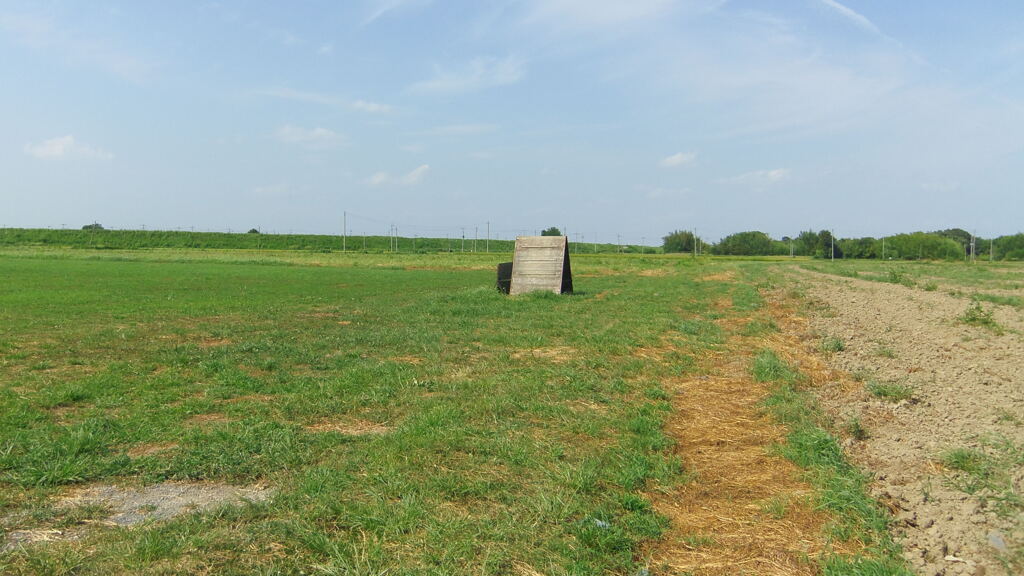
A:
(487, 244)
(476, 235)
(463, 248)
(618, 243)
(991, 250)
(790, 247)
(883, 247)
(643, 240)
(344, 231)
(832, 237)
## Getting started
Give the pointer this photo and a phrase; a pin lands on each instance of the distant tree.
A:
(253, 231)
(923, 246)
(961, 236)
(827, 248)
(1010, 247)
(745, 244)
(679, 241)
(866, 247)
(806, 243)
(553, 231)
(93, 226)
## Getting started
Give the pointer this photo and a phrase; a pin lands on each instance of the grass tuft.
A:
(890, 391)
(832, 344)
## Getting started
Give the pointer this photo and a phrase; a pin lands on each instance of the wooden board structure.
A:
(541, 263)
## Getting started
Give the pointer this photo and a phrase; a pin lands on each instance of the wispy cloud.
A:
(459, 130)
(381, 8)
(853, 16)
(372, 107)
(758, 177)
(310, 138)
(44, 34)
(599, 13)
(678, 159)
(479, 74)
(66, 147)
(325, 49)
(415, 176)
(325, 100)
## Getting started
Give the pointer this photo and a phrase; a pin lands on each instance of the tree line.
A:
(949, 244)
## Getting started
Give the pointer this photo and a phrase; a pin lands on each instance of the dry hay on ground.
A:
(350, 427)
(746, 510)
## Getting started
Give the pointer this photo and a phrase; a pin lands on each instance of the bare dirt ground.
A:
(966, 388)
(128, 506)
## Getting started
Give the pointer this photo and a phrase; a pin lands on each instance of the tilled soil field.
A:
(934, 409)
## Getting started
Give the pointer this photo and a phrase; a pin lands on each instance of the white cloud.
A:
(758, 177)
(312, 138)
(411, 179)
(678, 159)
(853, 16)
(325, 100)
(381, 8)
(372, 107)
(66, 147)
(479, 74)
(326, 49)
(43, 34)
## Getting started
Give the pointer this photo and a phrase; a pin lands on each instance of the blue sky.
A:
(604, 118)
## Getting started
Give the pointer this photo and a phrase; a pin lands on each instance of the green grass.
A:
(517, 431)
(492, 456)
(884, 351)
(832, 344)
(841, 488)
(890, 391)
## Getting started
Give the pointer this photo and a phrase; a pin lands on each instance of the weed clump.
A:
(977, 315)
(833, 344)
(895, 276)
(856, 430)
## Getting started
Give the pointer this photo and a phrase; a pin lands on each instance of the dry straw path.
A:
(746, 511)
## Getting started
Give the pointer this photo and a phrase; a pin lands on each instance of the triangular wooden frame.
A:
(541, 263)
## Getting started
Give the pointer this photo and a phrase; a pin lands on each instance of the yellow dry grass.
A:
(746, 511)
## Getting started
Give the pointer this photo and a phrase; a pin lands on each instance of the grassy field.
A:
(407, 417)
(181, 239)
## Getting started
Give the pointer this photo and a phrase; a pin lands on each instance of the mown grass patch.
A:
(509, 431)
